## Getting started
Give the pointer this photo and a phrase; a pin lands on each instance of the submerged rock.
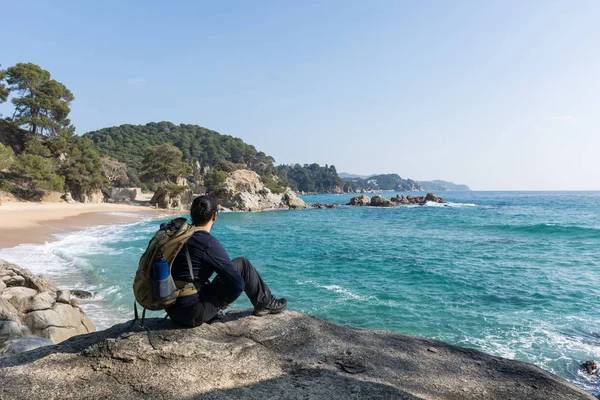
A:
(590, 367)
(284, 356)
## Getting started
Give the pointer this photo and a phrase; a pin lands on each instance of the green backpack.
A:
(166, 243)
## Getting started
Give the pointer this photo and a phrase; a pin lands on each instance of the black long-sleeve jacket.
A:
(208, 257)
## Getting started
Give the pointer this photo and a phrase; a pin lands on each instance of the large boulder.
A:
(32, 305)
(363, 200)
(379, 201)
(292, 201)
(244, 191)
(433, 198)
(284, 356)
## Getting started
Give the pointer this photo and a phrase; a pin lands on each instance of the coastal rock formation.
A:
(433, 198)
(321, 205)
(244, 191)
(120, 195)
(32, 306)
(363, 200)
(284, 356)
(164, 198)
(292, 201)
(378, 201)
(93, 196)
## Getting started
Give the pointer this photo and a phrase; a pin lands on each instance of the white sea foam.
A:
(346, 294)
(65, 261)
(517, 344)
(449, 204)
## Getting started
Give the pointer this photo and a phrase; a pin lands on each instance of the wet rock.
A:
(363, 200)
(379, 201)
(590, 367)
(433, 198)
(82, 294)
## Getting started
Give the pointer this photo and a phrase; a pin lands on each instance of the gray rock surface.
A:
(32, 306)
(285, 356)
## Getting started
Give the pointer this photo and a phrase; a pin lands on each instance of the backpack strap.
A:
(189, 261)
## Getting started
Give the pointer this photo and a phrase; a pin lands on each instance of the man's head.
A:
(204, 210)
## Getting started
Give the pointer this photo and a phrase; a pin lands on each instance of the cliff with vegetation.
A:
(381, 182)
(40, 153)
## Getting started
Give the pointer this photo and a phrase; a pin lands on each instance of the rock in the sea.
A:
(82, 294)
(284, 356)
(244, 191)
(36, 307)
(432, 197)
(379, 201)
(320, 205)
(363, 200)
(292, 201)
(590, 367)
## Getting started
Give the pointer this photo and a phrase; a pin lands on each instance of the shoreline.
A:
(37, 223)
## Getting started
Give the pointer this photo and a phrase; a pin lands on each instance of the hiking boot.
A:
(273, 306)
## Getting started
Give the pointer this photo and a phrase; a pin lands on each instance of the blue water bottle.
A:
(160, 269)
(163, 286)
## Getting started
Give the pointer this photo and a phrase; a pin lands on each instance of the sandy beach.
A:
(25, 222)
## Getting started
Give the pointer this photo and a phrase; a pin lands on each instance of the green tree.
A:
(82, 169)
(7, 157)
(4, 91)
(36, 172)
(214, 181)
(41, 103)
(162, 165)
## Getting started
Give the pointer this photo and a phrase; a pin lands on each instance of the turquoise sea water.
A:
(515, 274)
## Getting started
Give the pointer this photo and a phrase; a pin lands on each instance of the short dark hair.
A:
(203, 209)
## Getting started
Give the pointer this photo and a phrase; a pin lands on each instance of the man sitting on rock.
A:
(233, 276)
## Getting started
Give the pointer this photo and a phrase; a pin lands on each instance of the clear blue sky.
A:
(495, 94)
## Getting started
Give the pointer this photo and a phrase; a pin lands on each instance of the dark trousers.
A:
(197, 309)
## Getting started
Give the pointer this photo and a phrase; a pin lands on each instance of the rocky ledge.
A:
(33, 312)
(285, 356)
